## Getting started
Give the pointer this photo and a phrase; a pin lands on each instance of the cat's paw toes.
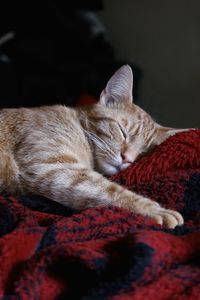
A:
(166, 217)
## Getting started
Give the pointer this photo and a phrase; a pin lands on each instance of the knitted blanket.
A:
(48, 252)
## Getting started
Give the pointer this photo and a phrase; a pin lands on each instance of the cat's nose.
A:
(126, 158)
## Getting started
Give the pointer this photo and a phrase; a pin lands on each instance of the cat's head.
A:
(121, 131)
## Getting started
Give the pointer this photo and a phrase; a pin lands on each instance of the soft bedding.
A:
(49, 252)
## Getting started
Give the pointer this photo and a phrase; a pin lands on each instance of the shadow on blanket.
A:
(49, 252)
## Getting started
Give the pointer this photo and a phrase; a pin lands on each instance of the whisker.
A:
(101, 144)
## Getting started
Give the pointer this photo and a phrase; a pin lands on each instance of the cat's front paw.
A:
(167, 217)
(162, 216)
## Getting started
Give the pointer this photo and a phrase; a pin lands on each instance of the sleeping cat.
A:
(63, 153)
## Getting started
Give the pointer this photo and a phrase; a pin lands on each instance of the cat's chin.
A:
(108, 169)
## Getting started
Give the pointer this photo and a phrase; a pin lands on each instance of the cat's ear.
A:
(164, 133)
(119, 87)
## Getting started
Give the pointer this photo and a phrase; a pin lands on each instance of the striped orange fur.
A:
(65, 154)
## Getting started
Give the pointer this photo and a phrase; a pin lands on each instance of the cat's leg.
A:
(82, 188)
(9, 173)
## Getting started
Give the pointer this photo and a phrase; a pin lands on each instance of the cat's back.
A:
(39, 116)
(53, 125)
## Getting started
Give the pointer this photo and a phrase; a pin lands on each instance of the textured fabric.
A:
(49, 252)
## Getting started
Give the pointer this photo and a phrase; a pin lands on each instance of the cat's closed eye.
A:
(124, 133)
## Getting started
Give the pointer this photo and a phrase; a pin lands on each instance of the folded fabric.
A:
(49, 252)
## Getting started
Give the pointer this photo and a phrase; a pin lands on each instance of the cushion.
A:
(50, 252)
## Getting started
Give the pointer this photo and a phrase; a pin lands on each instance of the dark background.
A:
(163, 38)
(57, 51)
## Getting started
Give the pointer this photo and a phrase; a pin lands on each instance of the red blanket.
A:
(49, 252)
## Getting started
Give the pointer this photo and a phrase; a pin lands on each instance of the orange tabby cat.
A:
(59, 152)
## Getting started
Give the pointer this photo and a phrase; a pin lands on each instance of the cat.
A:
(67, 154)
